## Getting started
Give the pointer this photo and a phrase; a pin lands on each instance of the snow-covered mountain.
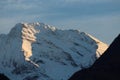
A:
(36, 51)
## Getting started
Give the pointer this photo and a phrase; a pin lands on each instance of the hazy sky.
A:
(100, 18)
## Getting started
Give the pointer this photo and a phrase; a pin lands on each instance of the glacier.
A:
(36, 51)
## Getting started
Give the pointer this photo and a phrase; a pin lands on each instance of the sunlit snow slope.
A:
(38, 51)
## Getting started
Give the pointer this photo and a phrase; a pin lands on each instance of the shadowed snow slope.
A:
(38, 51)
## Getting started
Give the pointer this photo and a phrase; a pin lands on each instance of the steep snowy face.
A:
(28, 37)
(39, 51)
(10, 49)
(101, 46)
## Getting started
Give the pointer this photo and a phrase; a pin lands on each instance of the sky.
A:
(100, 18)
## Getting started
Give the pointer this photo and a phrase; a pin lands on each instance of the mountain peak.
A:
(31, 47)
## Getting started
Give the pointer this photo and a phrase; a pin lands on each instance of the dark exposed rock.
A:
(3, 77)
(107, 67)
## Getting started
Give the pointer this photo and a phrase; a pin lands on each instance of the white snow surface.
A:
(36, 51)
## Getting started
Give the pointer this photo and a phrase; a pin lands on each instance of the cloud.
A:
(90, 1)
(63, 13)
(16, 4)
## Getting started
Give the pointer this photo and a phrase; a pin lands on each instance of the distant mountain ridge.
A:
(42, 52)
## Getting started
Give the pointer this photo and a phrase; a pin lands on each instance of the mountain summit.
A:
(36, 51)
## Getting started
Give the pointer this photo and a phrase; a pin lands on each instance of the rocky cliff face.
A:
(107, 67)
(36, 51)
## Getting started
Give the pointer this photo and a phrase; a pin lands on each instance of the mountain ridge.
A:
(104, 68)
